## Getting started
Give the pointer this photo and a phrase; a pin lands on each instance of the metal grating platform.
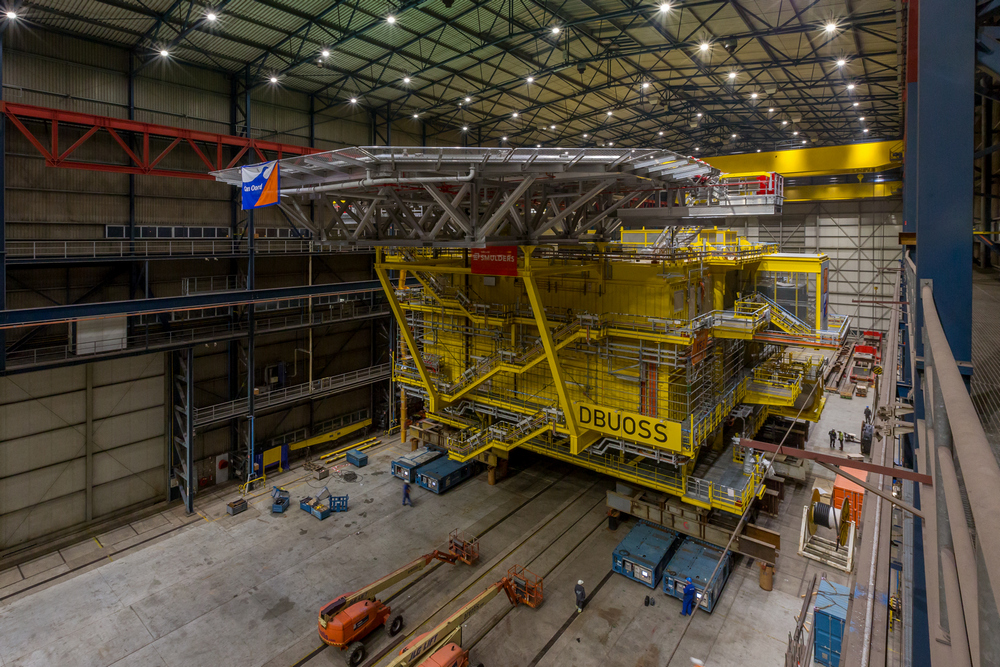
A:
(986, 352)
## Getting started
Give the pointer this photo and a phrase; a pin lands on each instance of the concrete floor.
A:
(213, 589)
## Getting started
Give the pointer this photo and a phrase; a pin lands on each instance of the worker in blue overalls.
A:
(406, 494)
(689, 591)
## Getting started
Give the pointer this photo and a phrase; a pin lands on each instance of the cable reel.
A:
(829, 516)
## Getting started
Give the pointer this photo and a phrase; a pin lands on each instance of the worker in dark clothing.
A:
(406, 494)
(689, 591)
(833, 438)
(868, 415)
(581, 596)
(841, 435)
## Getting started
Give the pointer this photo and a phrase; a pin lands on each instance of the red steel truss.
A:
(206, 145)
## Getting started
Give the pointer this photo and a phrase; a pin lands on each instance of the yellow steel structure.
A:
(820, 161)
(626, 358)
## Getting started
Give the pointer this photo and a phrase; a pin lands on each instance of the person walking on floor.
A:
(689, 591)
(406, 494)
(581, 596)
(841, 434)
(868, 415)
(833, 438)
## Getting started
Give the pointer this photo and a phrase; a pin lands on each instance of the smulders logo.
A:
(630, 426)
(261, 184)
(495, 261)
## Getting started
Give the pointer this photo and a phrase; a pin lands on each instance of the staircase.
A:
(783, 319)
(503, 435)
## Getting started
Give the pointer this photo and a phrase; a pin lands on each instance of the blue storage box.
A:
(830, 618)
(439, 476)
(697, 559)
(357, 458)
(644, 552)
(405, 466)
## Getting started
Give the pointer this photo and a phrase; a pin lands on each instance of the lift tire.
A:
(355, 654)
(395, 625)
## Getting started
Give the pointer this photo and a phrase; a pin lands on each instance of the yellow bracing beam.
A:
(842, 191)
(820, 161)
(404, 330)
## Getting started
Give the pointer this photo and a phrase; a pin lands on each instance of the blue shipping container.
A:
(697, 559)
(439, 476)
(643, 553)
(404, 466)
(830, 618)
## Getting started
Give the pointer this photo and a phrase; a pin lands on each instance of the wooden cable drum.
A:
(829, 516)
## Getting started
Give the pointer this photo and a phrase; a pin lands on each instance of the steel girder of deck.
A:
(467, 197)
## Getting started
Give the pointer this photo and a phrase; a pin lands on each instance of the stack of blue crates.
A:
(697, 559)
(440, 475)
(830, 619)
(644, 552)
(405, 466)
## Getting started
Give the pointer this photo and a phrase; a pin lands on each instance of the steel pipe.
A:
(371, 182)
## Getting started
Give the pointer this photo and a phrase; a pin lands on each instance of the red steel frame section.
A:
(144, 163)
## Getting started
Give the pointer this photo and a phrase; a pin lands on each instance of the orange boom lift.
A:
(346, 621)
(441, 647)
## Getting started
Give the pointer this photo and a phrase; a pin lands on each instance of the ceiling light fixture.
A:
(354, 100)
(12, 15)
(390, 19)
(804, 140)
(850, 86)
(697, 148)
(831, 27)
(771, 110)
(699, 115)
(841, 62)
(274, 79)
(531, 79)
(465, 128)
(416, 115)
(163, 53)
(468, 99)
(865, 130)
(210, 17)
(753, 96)
(611, 143)
(645, 85)
(784, 122)
(325, 53)
(734, 136)
(610, 113)
(538, 145)
(585, 135)
(660, 133)
(795, 133)
(705, 46)
(514, 115)
(552, 127)
(665, 7)
(862, 119)
(503, 138)
(732, 75)
(555, 30)
(406, 79)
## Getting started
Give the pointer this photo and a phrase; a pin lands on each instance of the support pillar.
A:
(944, 131)
(89, 443)
(986, 178)
(3, 214)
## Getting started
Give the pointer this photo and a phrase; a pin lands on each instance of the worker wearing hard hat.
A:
(689, 591)
(581, 596)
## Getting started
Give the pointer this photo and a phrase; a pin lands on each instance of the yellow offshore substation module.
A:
(626, 358)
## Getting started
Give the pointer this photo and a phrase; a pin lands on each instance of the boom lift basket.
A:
(464, 547)
(526, 586)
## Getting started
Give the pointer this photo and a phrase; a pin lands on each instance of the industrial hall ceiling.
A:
(702, 77)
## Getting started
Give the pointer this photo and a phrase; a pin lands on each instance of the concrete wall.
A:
(79, 443)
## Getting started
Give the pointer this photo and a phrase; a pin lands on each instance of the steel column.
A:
(986, 178)
(3, 212)
(182, 431)
(944, 143)
(251, 272)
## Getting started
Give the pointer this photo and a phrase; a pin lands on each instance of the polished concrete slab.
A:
(213, 589)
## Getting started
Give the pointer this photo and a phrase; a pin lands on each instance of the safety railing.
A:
(40, 250)
(962, 569)
(314, 389)
(151, 341)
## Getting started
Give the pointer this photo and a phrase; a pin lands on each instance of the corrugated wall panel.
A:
(43, 448)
